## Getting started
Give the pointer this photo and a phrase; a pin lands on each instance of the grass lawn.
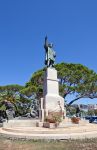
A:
(87, 144)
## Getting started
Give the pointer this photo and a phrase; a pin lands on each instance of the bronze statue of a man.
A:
(49, 54)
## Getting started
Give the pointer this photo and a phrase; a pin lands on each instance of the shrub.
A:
(75, 120)
(53, 117)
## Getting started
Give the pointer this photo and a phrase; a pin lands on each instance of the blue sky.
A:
(70, 24)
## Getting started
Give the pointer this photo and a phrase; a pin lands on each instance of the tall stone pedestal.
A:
(52, 101)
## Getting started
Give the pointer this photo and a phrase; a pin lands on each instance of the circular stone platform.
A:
(77, 131)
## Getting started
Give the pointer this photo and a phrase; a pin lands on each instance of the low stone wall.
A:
(20, 123)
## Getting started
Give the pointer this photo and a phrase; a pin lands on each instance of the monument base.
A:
(52, 102)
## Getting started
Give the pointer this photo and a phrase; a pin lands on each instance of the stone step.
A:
(78, 132)
(40, 130)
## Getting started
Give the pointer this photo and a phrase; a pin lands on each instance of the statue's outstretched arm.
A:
(46, 43)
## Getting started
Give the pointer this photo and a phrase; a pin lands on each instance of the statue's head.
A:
(50, 45)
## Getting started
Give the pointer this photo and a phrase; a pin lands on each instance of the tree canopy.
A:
(74, 79)
(13, 87)
(12, 93)
(78, 80)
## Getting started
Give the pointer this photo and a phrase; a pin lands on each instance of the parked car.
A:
(88, 117)
(93, 119)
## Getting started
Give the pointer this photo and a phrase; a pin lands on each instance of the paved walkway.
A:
(72, 132)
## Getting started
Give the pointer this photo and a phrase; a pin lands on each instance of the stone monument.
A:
(51, 101)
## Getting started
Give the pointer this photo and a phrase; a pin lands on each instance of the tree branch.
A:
(74, 100)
